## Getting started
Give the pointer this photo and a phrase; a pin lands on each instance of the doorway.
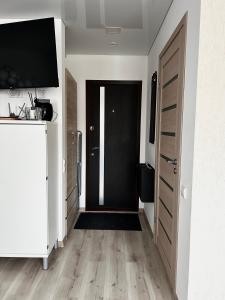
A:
(113, 110)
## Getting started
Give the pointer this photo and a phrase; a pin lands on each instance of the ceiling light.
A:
(113, 30)
(113, 44)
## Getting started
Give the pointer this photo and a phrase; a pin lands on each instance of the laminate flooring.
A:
(95, 264)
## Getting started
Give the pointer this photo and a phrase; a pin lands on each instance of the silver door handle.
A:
(172, 162)
(79, 146)
(95, 148)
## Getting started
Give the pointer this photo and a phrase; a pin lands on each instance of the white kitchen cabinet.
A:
(28, 189)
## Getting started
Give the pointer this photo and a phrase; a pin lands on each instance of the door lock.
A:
(92, 128)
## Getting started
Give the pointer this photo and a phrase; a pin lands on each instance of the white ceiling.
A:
(86, 20)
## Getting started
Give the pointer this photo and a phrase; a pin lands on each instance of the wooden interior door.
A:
(71, 165)
(172, 60)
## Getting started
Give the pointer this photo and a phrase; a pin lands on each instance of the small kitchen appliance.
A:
(47, 109)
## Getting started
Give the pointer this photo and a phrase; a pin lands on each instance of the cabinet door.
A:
(23, 192)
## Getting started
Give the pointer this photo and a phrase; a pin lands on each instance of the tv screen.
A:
(28, 55)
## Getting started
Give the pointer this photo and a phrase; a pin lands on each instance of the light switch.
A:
(64, 166)
(184, 192)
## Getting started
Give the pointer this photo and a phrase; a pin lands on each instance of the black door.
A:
(113, 144)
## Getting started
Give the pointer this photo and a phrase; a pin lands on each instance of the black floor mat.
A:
(108, 221)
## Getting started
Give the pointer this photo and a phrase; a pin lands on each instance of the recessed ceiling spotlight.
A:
(113, 44)
(113, 30)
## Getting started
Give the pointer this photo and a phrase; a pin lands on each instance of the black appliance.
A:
(28, 54)
(146, 183)
(47, 109)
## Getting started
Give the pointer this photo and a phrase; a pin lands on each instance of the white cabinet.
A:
(28, 189)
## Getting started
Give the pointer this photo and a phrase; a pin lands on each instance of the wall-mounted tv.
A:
(28, 55)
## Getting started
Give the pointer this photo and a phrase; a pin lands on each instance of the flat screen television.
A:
(28, 55)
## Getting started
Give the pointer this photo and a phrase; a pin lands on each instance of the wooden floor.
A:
(102, 265)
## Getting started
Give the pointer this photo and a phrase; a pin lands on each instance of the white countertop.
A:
(23, 122)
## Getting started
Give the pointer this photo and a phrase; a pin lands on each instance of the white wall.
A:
(207, 251)
(57, 97)
(86, 67)
(175, 14)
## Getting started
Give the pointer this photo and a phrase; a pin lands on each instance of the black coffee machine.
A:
(47, 109)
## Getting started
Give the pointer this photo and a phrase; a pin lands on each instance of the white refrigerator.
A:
(28, 189)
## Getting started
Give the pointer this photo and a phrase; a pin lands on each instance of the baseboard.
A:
(61, 244)
(147, 223)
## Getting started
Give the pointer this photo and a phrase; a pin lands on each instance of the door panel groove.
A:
(165, 231)
(166, 207)
(170, 94)
(165, 157)
(168, 133)
(166, 183)
(169, 108)
(170, 81)
(167, 196)
(168, 172)
(166, 221)
(166, 245)
(168, 146)
(171, 69)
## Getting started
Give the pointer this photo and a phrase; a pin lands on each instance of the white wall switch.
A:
(184, 192)
(64, 166)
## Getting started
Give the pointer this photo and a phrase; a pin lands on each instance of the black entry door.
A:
(113, 144)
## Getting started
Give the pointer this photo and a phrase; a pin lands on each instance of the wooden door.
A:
(169, 125)
(71, 137)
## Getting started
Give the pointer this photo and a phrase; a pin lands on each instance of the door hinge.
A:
(46, 131)
(47, 247)
(47, 178)
(155, 219)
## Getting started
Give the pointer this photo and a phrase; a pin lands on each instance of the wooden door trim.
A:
(182, 25)
(69, 74)
(72, 200)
